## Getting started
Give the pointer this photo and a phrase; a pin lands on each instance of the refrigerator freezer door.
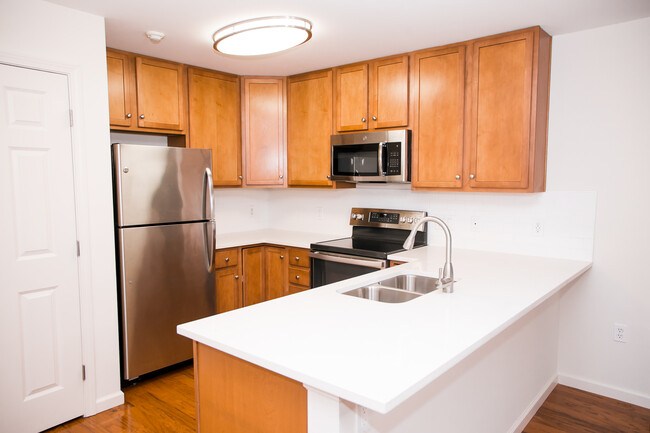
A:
(157, 185)
(164, 282)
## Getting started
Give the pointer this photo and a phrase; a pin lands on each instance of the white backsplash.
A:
(552, 224)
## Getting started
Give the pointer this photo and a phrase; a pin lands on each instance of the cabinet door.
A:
(351, 109)
(161, 94)
(309, 126)
(214, 122)
(121, 99)
(501, 86)
(264, 137)
(439, 102)
(253, 275)
(228, 287)
(276, 264)
(389, 92)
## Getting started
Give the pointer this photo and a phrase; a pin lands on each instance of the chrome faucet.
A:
(446, 274)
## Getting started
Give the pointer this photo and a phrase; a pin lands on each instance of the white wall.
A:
(599, 140)
(50, 37)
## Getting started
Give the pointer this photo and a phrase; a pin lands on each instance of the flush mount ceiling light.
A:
(154, 36)
(262, 36)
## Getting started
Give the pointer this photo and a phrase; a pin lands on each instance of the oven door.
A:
(327, 268)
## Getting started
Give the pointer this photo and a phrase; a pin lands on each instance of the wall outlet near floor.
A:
(620, 332)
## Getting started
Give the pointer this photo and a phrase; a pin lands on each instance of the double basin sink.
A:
(401, 288)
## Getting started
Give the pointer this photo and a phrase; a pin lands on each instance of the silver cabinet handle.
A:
(297, 258)
(297, 277)
(363, 119)
(142, 116)
(128, 115)
(471, 176)
(457, 176)
(282, 257)
(236, 277)
(281, 176)
(227, 259)
(374, 117)
(329, 177)
(240, 177)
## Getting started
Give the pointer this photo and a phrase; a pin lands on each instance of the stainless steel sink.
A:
(400, 288)
(411, 283)
(382, 294)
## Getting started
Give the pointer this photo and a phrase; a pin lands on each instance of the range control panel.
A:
(386, 218)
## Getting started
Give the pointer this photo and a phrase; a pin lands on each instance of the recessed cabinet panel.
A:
(390, 93)
(352, 98)
(120, 96)
(160, 94)
(439, 94)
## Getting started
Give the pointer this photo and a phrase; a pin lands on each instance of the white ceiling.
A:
(344, 31)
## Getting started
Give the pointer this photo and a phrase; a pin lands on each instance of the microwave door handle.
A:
(380, 158)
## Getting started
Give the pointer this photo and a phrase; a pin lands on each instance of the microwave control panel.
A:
(394, 156)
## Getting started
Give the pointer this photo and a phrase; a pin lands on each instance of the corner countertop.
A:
(343, 344)
(271, 236)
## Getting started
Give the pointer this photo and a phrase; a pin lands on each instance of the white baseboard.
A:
(109, 401)
(533, 407)
(606, 390)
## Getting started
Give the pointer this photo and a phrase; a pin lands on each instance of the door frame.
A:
(80, 177)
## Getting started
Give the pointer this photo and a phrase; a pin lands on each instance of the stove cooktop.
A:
(364, 247)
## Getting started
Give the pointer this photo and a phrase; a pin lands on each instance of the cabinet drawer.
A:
(296, 289)
(299, 257)
(299, 276)
(226, 257)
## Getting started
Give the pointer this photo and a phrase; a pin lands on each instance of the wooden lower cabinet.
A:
(249, 275)
(275, 263)
(235, 396)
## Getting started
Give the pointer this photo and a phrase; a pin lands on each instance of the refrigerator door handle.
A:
(207, 191)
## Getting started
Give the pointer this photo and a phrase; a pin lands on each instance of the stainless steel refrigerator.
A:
(165, 236)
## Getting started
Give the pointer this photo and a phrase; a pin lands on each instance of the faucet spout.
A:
(446, 280)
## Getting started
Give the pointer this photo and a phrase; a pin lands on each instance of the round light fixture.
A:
(260, 36)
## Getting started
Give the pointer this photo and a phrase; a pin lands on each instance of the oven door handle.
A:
(340, 258)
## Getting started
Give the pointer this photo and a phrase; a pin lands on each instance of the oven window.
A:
(356, 160)
(325, 272)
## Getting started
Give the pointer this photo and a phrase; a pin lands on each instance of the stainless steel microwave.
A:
(380, 156)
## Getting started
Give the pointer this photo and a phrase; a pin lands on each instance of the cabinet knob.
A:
(297, 258)
(457, 176)
(374, 117)
(329, 177)
(471, 176)
(240, 177)
(297, 277)
(128, 115)
(281, 176)
(227, 259)
(236, 277)
(142, 116)
(282, 257)
(363, 119)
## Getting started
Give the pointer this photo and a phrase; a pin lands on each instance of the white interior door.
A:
(40, 328)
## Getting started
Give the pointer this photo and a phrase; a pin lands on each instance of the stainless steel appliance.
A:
(165, 234)
(376, 233)
(381, 156)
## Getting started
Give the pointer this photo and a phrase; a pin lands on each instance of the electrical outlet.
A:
(538, 229)
(474, 224)
(252, 211)
(620, 332)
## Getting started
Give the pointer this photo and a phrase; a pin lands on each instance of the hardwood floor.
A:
(165, 403)
(569, 410)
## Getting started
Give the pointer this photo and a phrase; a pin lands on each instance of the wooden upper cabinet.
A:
(438, 105)
(263, 137)
(372, 95)
(215, 122)
(389, 89)
(509, 111)
(352, 98)
(121, 96)
(146, 94)
(309, 126)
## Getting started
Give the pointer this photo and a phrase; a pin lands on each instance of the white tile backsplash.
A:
(504, 222)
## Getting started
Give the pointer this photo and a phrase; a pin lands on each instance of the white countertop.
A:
(376, 354)
(270, 236)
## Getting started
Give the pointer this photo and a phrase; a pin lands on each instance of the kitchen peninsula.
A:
(480, 359)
